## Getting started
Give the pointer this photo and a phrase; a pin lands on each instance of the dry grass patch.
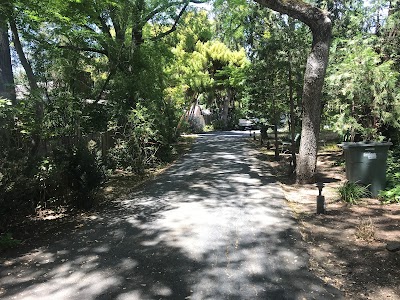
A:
(366, 230)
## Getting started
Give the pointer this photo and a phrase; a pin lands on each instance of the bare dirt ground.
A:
(347, 245)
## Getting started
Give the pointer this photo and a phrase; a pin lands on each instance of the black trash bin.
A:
(366, 164)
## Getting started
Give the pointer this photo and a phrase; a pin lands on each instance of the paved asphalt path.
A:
(213, 226)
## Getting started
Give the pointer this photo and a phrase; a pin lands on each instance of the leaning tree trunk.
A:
(34, 88)
(21, 55)
(320, 24)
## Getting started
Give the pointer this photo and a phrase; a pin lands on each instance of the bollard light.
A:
(320, 186)
(320, 198)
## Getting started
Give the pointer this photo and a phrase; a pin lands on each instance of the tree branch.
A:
(83, 49)
(160, 9)
(89, 28)
(198, 1)
(170, 4)
(300, 10)
(103, 88)
(119, 30)
(173, 28)
(104, 27)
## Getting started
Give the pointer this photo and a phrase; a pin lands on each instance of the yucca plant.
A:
(351, 192)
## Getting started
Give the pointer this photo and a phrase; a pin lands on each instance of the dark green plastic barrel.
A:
(366, 164)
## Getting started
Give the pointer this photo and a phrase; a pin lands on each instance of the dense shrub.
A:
(80, 172)
(65, 177)
(392, 192)
(7, 241)
(145, 141)
(17, 188)
(196, 124)
(218, 124)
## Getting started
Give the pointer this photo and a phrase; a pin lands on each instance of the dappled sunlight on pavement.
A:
(214, 226)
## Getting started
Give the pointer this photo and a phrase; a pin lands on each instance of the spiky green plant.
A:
(351, 192)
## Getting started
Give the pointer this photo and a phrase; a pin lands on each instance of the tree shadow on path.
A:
(214, 226)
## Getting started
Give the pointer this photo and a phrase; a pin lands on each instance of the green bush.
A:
(391, 195)
(144, 143)
(7, 241)
(351, 192)
(119, 156)
(18, 189)
(218, 124)
(81, 173)
(65, 177)
(392, 192)
(196, 124)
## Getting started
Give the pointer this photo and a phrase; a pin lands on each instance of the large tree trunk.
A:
(312, 92)
(317, 61)
(7, 89)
